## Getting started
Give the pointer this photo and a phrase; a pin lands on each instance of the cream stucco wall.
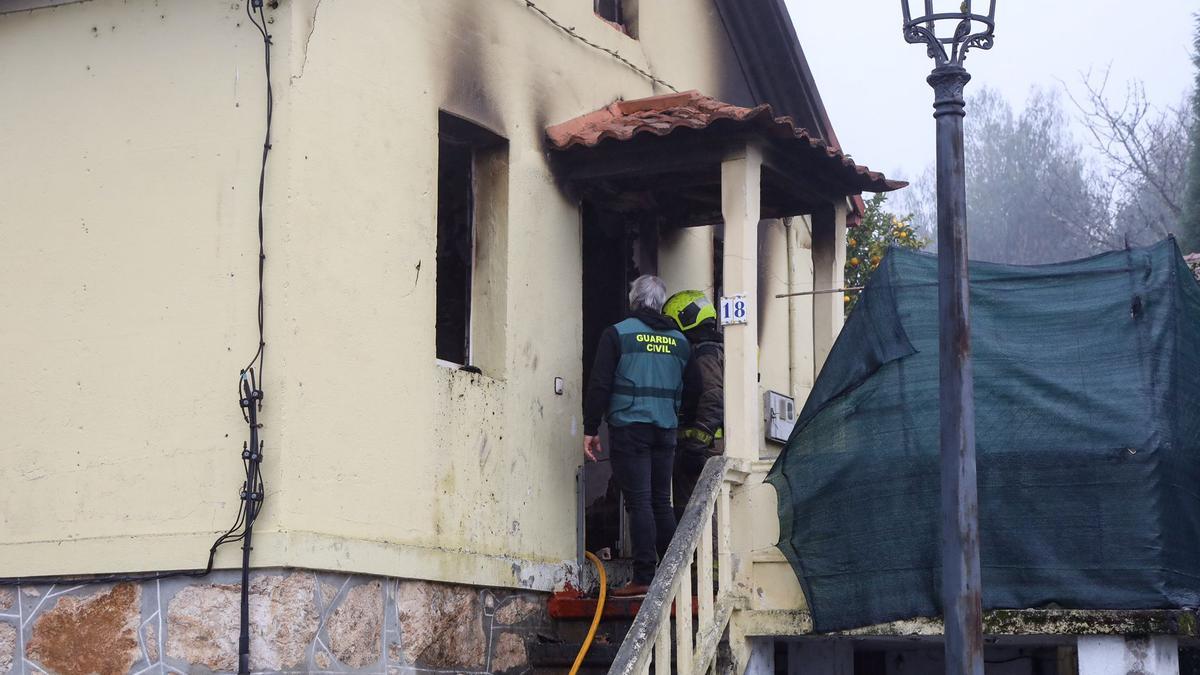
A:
(131, 133)
(774, 356)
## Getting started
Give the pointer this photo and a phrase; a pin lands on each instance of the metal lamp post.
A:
(949, 29)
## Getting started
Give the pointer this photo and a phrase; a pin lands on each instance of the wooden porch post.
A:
(829, 265)
(740, 181)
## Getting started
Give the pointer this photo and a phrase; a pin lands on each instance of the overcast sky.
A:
(873, 84)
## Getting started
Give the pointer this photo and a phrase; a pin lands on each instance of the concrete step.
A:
(570, 605)
(562, 655)
(611, 631)
(572, 611)
(618, 570)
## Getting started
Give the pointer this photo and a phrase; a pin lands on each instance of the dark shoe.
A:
(630, 590)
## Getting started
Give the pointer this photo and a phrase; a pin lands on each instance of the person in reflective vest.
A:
(637, 385)
(702, 412)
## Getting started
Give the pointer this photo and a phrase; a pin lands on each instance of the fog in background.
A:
(1048, 109)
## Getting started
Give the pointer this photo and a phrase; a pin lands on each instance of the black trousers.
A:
(643, 458)
(689, 462)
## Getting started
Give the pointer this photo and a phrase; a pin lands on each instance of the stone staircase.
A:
(572, 611)
(641, 634)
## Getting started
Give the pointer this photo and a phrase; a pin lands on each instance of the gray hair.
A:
(647, 291)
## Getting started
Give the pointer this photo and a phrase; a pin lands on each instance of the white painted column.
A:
(800, 308)
(1116, 655)
(829, 271)
(821, 657)
(740, 209)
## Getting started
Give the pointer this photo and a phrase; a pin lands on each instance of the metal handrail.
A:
(633, 657)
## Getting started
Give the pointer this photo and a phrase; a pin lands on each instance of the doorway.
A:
(616, 250)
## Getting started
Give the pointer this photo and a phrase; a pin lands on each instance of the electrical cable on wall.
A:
(250, 395)
(257, 359)
(248, 390)
(570, 30)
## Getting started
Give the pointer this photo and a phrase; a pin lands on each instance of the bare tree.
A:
(1031, 196)
(1034, 195)
(1145, 153)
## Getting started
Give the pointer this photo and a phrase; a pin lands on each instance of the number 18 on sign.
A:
(733, 309)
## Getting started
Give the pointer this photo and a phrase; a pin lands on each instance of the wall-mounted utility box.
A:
(780, 416)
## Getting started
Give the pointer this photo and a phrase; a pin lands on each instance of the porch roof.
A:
(681, 138)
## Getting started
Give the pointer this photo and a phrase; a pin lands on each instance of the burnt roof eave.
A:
(690, 113)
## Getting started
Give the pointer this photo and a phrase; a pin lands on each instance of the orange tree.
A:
(868, 241)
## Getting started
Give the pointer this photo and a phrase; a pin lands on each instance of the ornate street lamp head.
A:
(949, 28)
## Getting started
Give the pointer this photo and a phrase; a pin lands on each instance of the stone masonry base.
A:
(301, 622)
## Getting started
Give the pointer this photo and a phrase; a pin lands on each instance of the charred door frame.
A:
(616, 249)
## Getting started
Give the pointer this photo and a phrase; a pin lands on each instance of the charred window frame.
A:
(466, 152)
(621, 13)
(609, 10)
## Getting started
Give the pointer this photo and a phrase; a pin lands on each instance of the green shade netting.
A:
(1087, 424)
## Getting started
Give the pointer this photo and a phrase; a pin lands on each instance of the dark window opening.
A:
(620, 14)
(458, 141)
(609, 10)
(455, 251)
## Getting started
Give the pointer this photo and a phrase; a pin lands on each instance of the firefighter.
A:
(702, 412)
(636, 384)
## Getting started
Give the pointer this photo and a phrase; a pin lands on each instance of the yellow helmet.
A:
(689, 309)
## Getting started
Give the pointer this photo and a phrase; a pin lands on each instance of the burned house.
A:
(410, 221)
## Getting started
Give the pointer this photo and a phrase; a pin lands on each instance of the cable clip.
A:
(255, 395)
(251, 455)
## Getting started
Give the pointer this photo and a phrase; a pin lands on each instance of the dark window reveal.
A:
(455, 250)
(459, 144)
(609, 10)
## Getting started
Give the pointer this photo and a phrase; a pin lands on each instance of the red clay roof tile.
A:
(662, 115)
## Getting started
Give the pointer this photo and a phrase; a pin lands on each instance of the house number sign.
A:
(733, 310)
